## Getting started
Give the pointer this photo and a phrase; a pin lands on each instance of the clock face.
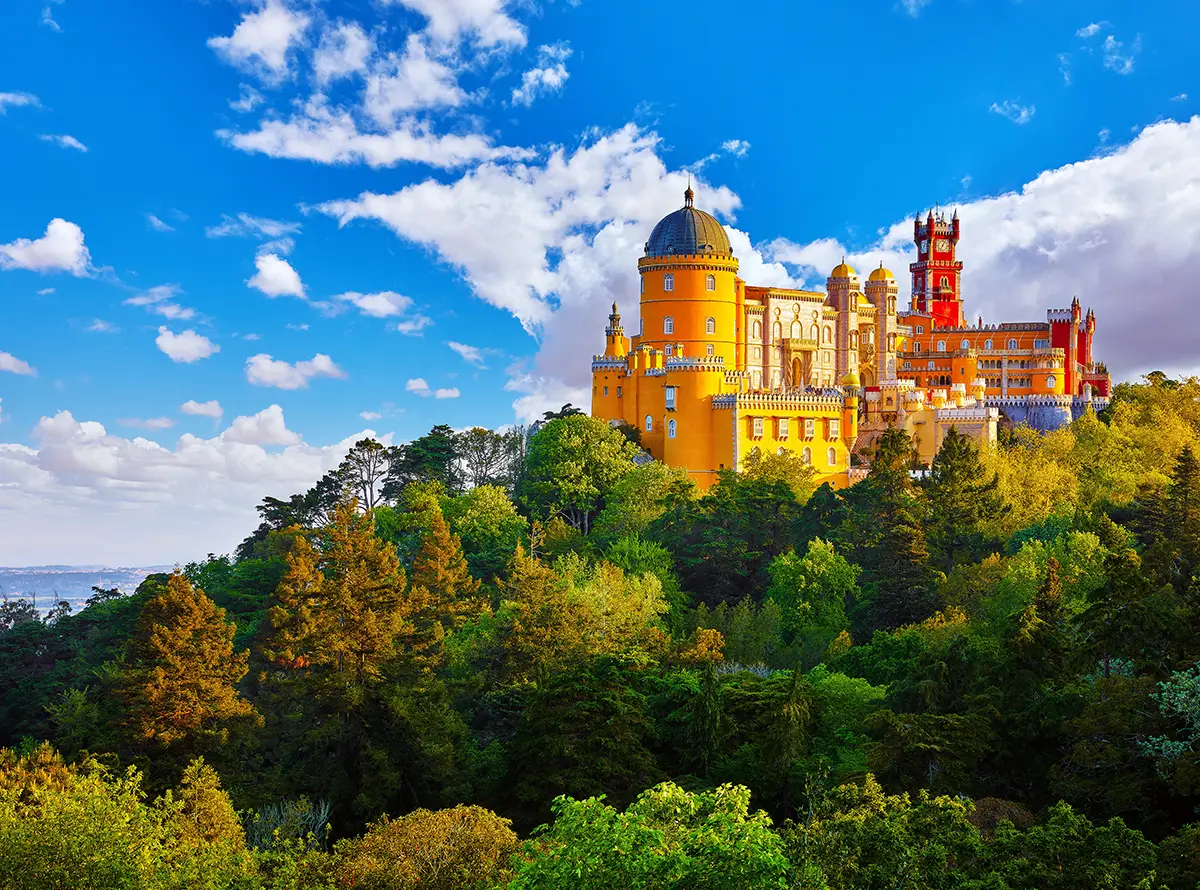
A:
(942, 245)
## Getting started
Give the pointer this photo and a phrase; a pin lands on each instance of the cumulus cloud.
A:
(276, 277)
(157, 224)
(344, 50)
(263, 39)
(387, 304)
(14, 365)
(484, 22)
(130, 501)
(62, 140)
(548, 76)
(267, 427)
(1014, 111)
(149, 423)
(186, 347)
(211, 408)
(160, 300)
(60, 249)
(408, 81)
(472, 354)
(418, 386)
(263, 370)
(16, 100)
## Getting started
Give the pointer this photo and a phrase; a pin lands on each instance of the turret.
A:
(842, 286)
(615, 344)
(850, 385)
(882, 291)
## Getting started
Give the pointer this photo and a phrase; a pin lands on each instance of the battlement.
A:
(820, 399)
(696, 363)
(1016, 401)
(975, 415)
(607, 363)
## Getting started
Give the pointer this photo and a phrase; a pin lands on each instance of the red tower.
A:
(936, 273)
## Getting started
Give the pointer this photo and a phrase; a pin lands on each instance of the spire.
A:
(689, 194)
(955, 213)
(614, 312)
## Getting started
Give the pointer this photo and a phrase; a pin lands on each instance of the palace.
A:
(719, 368)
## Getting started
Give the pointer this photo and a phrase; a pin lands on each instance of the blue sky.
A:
(281, 214)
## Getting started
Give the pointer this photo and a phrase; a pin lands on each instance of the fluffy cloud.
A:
(62, 140)
(267, 427)
(149, 423)
(262, 40)
(387, 304)
(14, 365)
(344, 50)
(160, 300)
(548, 76)
(262, 370)
(276, 277)
(157, 224)
(16, 100)
(739, 148)
(472, 354)
(133, 502)
(370, 415)
(485, 22)
(419, 386)
(1115, 230)
(186, 347)
(211, 408)
(1015, 112)
(410, 81)
(1091, 30)
(61, 249)
(248, 99)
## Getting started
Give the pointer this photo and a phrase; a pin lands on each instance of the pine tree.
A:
(960, 501)
(441, 569)
(180, 676)
(1183, 512)
(1040, 640)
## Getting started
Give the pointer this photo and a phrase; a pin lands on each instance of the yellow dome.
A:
(841, 270)
(851, 378)
(880, 274)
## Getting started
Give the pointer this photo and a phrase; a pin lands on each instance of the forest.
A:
(535, 660)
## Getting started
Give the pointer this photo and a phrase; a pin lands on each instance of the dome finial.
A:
(689, 194)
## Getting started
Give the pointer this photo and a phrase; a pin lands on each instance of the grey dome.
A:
(688, 231)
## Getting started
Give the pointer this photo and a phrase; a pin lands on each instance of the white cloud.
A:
(267, 427)
(122, 501)
(262, 370)
(303, 326)
(1091, 30)
(246, 226)
(61, 249)
(1182, 97)
(1104, 135)
(157, 224)
(387, 304)
(160, 300)
(1117, 58)
(539, 394)
(419, 386)
(262, 40)
(484, 22)
(186, 347)
(276, 277)
(14, 365)
(1064, 67)
(149, 423)
(63, 141)
(739, 148)
(45, 291)
(248, 99)
(16, 100)
(370, 415)
(451, 393)
(343, 51)
(212, 408)
(400, 83)
(1018, 114)
(472, 354)
(100, 326)
(548, 76)
(332, 136)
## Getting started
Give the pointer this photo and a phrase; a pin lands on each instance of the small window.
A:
(649, 424)
(757, 335)
(828, 335)
(806, 457)
(810, 427)
(668, 282)
(932, 364)
(710, 325)
(758, 353)
(945, 281)
(756, 380)
(668, 350)
(965, 344)
(783, 427)
(781, 451)
(832, 457)
(671, 429)
(641, 327)
(941, 346)
(987, 344)
(669, 325)
(815, 334)
(618, 392)
(835, 429)
(917, 348)
(670, 396)
(1012, 344)
(711, 350)
(908, 366)
(710, 283)
(1051, 382)
(643, 285)
(758, 426)
(777, 332)
(606, 391)
(920, 329)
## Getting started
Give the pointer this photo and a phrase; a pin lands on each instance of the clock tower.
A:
(936, 274)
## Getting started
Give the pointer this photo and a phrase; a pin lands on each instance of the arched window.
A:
(1050, 382)
(710, 325)
(828, 335)
(668, 350)
(668, 282)
(796, 330)
(965, 344)
(987, 344)
(758, 353)
(1012, 344)
(643, 285)
(854, 339)
(815, 334)
(945, 281)
(756, 380)
(671, 429)
(757, 335)
(777, 331)
(669, 324)
(710, 283)
(711, 350)
(941, 346)
(916, 347)
(806, 457)
(832, 457)
(649, 424)
(775, 380)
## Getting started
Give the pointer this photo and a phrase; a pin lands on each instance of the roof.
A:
(688, 231)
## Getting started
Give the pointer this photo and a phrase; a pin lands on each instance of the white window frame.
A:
(835, 429)
(1012, 344)
(712, 350)
(806, 457)
(710, 283)
(810, 427)
(987, 344)
(649, 424)
(668, 282)
(832, 456)
(783, 428)
(670, 396)
(668, 324)
(941, 346)
(756, 426)
(668, 350)
(671, 428)
(1051, 382)
(710, 326)
(966, 344)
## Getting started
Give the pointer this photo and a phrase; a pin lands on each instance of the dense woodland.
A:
(489, 660)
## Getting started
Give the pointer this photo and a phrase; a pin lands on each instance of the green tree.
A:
(433, 457)
(962, 502)
(639, 498)
(487, 523)
(813, 592)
